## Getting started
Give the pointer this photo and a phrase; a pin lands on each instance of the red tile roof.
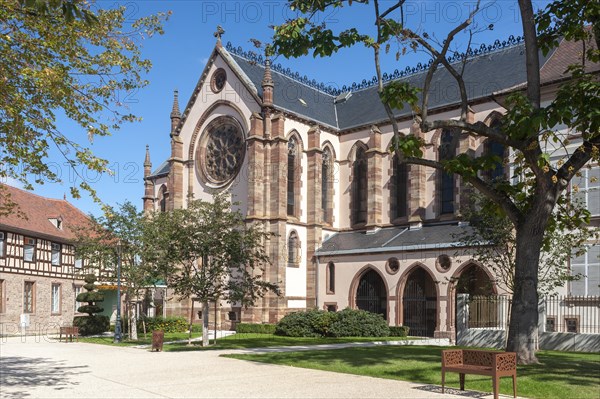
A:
(566, 53)
(38, 211)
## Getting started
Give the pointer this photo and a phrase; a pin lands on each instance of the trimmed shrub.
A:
(399, 331)
(358, 323)
(166, 324)
(312, 323)
(92, 325)
(347, 323)
(250, 328)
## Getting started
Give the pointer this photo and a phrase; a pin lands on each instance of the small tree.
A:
(117, 235)
(492, 241)
(93, 323)
(207, 252)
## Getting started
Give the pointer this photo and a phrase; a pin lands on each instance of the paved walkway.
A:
(37, 368)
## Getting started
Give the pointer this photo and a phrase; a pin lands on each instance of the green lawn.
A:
(236, 341)
(247, 340)
(559, 375)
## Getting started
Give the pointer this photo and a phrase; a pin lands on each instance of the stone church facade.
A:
(355, 228)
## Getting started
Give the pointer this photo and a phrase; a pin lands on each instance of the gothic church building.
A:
(355, 228)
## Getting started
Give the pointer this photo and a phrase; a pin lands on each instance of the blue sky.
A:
(180, 54)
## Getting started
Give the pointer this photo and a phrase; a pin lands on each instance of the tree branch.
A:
(479, 128)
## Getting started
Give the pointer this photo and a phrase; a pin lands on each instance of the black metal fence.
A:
(563, 314)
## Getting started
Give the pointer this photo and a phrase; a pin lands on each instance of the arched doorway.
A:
(371, 294)
(484, 310)
(474, 281)
(419, 302)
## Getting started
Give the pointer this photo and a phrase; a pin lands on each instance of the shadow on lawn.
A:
(20, 374)
(564, 366)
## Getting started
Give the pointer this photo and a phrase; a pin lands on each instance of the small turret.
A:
(148, 197)
(175, 113)
(267, 84)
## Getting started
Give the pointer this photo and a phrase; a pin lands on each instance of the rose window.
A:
(222, 150)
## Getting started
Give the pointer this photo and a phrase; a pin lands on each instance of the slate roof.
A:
(162, 170)
(38, 210)
(484, 75)
(394, 239)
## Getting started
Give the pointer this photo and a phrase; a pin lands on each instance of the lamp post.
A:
(118, 333)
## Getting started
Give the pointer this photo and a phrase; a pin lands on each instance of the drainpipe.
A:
(317, 282)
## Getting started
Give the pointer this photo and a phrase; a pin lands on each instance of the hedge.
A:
(250, 328)
(347, 323)
(166, 324)
(399, 331)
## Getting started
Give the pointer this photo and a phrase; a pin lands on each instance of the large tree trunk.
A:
(204, 323)
(523, 328)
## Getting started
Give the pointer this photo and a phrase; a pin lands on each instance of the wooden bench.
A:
(481, 362)
(69, 333)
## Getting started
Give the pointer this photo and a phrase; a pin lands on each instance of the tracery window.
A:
(359, 187)
(327, 186)
(291, 176)
(399, 194)
(293, 249)
(446, 180)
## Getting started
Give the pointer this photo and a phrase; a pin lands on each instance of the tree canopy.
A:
(65, 59)
(542, 156)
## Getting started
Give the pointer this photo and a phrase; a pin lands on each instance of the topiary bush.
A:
(399, 331)
(358, 323)
(249, 328)
(92, 324)
(166, 324)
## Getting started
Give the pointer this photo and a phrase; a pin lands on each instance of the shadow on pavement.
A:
(453, 391)
(18, 375)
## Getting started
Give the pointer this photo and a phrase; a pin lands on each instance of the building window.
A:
(586, 189)
(56, 254)
(291, 176)
(331, 307)
(2, 244)
(55, 299)
(76, 292)
(392, 266)
(493, 148)
(163, 197)
(232, 316)
(399, 194)
(446, 180)
(2, 299)
(293, 249)
(29, 297)
(78, 263)
(327, 186)
(359, 187)
(587, 268)
(29, 249)
(550, 324)
(572, 324)
(330, 278)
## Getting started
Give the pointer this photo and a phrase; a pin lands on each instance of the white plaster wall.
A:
(295, 281)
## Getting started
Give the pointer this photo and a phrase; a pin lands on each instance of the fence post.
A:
(462, 317)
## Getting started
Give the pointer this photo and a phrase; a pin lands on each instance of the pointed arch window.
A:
(330, 278)
(291, 176)
(359, 187)
(163, 198)
(446, 180)
(327, 186)
(399, 194)
(293, 249)
(495, 149)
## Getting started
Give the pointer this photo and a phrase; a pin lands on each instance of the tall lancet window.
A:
(399, 194)
(327, 186)
(291, 176)
(497, 149)
(446, 180)
(359, 187)
(163, 198)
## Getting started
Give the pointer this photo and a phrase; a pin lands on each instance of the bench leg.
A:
(496, 386)
(462, 381)
(514, 378)
(443, 380)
